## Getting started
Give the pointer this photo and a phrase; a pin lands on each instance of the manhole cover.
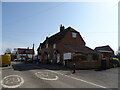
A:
(12, 81)
(46, 76)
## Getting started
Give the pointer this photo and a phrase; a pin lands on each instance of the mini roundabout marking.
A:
(46, 76)
(12, 81)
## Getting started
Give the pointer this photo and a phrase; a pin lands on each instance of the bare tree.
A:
(118, 53)
(8, 51)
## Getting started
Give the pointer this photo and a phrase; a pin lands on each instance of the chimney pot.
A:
(62, 27)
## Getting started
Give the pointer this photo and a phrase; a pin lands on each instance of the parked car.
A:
(15, 60)
(19, 59)
(29, 60)
(34, 59)
(23, 59)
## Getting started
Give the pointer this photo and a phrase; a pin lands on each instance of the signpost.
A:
(66, 57)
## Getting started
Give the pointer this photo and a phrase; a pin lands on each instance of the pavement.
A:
(26, 75)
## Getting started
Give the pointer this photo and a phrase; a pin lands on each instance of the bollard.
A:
(73, 68)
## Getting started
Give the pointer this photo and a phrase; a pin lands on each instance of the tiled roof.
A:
(104, 48)
(78, 48)
(25, 51)
(58, 36)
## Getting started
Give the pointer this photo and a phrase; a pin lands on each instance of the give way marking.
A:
(80, 80)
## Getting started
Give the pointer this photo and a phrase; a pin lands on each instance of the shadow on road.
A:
(21, 66)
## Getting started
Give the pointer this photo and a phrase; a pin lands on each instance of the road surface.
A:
(21, 75)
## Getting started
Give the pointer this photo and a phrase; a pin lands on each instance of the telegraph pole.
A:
(32, 51)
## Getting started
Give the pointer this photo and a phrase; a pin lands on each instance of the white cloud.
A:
(11, 45)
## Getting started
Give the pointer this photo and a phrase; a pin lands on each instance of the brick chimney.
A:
(61, 27)
(46, 37)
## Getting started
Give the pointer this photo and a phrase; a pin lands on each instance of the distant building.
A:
(107, 52)
(61, 48)
(24, 53)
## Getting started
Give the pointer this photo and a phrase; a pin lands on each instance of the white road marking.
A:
(11, 76)
(18, 79)
(11, 82)
(42, 74)
(79, 79)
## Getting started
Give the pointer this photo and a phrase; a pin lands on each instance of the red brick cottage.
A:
(63, 46)
(106, 52)
(24, 53)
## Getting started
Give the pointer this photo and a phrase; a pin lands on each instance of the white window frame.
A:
(54, 46)
(46, 45)
(74, 35)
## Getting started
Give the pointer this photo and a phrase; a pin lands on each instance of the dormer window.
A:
(54, 46)
(46, 45)
(73, 35)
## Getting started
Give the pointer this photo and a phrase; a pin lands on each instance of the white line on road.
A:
(18, 79)
(10, 79)
(80, 80)
(43, 75)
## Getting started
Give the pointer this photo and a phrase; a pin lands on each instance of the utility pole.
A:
(27, 53)
(32, 51)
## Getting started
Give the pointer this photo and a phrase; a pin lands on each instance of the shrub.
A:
(79, 57)
(115, 62)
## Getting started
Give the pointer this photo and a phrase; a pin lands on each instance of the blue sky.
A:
(25, 23)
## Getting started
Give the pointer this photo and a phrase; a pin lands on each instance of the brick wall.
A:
(84, 65)
(69, 39)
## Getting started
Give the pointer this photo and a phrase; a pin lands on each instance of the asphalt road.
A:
(21, 75)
